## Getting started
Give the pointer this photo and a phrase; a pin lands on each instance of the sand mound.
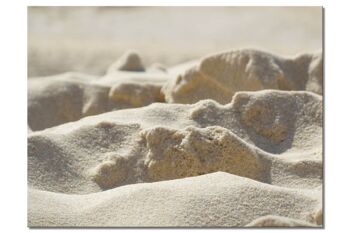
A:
(129, 61)
(278, 221)
(68, 97)
(181, 153)
(169, 141)
(219, 76)
(209, 200)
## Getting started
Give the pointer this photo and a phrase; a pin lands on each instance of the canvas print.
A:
(175, 117)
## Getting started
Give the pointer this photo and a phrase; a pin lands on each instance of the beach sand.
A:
(216, 134)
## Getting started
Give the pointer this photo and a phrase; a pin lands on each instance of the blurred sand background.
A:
(88, 39)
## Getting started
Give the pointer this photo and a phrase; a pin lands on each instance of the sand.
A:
(220, 76)
(213, 200)
(213, 136)
(88, 39)
(116, 157)
(66, 97)
(128, 84)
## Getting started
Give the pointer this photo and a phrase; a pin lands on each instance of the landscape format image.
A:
(206, 117)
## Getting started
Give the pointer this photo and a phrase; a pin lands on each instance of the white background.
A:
(13, 90)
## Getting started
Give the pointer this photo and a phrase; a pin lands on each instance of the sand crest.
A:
(209, 200)
(141, 145)
(71, 96)
(221, 75)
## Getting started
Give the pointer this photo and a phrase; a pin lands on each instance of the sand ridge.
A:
(146, 148)
(220, 75)
(128, 84)
(213, 200)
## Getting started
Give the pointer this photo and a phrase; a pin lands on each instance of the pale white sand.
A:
(67, 97)
(218, 199)
(281, 148)
(228, 139)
